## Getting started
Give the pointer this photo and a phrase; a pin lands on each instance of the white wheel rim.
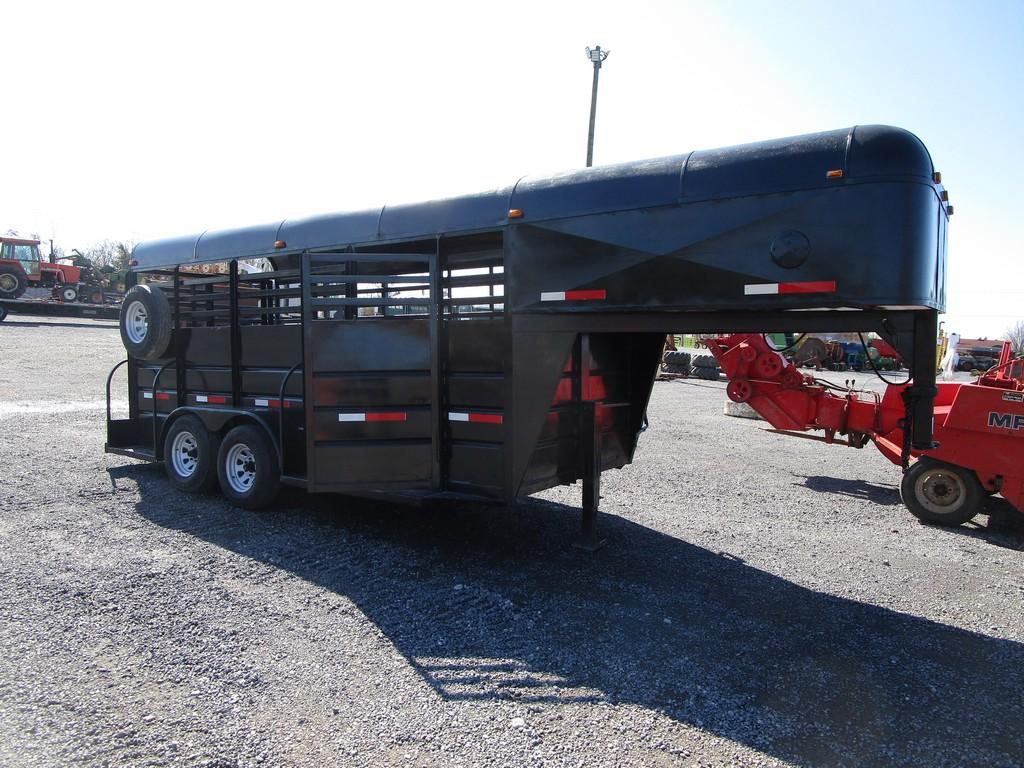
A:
(69, 294)
(240, 468)
(940, 491)
(136, 322)
(8, 282)
(184, 454)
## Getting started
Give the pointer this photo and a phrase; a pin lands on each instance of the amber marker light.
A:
(836, 174)
(279, 244)
(937, 177)
(515, 213)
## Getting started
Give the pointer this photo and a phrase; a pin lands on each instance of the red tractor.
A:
(978, 426)
(21, 267)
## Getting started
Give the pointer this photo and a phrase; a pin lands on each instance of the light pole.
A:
(596, 55)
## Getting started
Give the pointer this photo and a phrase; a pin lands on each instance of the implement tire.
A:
(940, 493)
(13, 281)
(145, 322)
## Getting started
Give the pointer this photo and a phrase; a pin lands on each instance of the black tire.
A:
(247, 468)
(94, 295)
(3, 314)
(145, 322)
(13, 281)
(190, 455)
(940, 493)
(704, 361)
(709, 374)
(677, 358)
(68, 293)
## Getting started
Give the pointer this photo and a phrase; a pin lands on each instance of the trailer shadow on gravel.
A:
(492, 604)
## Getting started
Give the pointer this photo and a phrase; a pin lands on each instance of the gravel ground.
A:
(761, 601)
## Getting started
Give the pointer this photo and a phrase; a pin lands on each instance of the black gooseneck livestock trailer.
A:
(494, 345)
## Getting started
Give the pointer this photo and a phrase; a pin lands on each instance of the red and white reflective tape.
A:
(475, 418)
(266, 402)
(590, 295)
(771, 289)
(379, 416)
(211, 399)
(159, 395)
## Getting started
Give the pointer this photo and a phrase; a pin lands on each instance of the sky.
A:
(138, 120)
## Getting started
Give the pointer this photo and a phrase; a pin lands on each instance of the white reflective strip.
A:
(263, 403)
(202, 399)
(351, 417)
(553, 296)
(148, 395)
(760, 288)
(458, 417)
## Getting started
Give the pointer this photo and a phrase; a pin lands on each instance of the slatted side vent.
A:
(365, 285)
(475, 288)
(203, 300)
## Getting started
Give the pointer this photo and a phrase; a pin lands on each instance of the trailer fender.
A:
(219, 420)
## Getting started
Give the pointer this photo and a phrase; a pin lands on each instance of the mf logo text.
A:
(1006, 420)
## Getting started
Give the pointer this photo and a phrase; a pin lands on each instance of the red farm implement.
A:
(978, 426)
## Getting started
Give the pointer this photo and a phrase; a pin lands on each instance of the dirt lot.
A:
(761, 601)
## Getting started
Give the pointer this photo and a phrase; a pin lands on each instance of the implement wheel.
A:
(941, 494)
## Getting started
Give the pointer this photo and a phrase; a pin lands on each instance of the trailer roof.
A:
(780, 165)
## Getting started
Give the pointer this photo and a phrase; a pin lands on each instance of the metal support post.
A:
(590, 453)
(924, 390)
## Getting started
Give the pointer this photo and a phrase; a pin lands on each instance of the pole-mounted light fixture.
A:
(597, 56)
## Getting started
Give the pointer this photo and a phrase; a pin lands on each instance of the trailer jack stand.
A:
(590, 454)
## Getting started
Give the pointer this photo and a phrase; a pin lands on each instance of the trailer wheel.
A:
(247, 468)
(145, 322)
(12, 281)
(190, 455)
(939, 493)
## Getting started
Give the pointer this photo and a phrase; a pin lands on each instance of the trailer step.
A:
(143, 452)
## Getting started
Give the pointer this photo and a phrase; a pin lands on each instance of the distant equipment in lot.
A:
(979, 426)
(494, 345)
(72, 289)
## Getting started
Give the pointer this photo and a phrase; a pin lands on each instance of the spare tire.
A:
(145, 322)
(12, 281)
